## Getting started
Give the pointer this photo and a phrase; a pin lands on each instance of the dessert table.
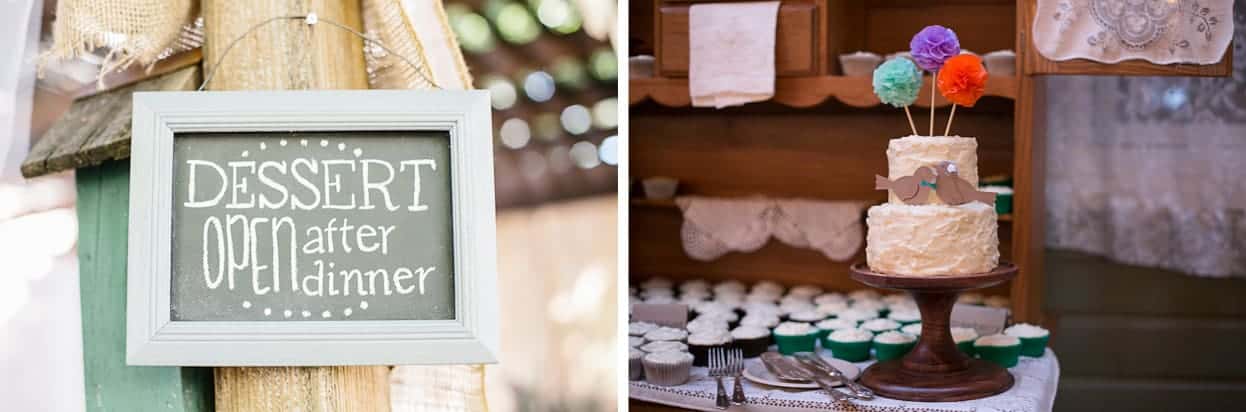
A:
(1035, 390)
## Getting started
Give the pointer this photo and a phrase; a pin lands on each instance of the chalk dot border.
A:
(325, 143)
(268, 311)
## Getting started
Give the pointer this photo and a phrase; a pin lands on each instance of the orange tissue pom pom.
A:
(962, 80)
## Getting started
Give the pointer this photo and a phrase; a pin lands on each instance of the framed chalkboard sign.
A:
(311, 228)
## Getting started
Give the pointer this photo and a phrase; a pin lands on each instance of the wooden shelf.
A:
(670, 204)
(646, 202)
(806, 91)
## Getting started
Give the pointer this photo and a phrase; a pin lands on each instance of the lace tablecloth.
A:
(1034, 390)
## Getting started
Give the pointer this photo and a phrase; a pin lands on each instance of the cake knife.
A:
(817, 362)
(787, 370)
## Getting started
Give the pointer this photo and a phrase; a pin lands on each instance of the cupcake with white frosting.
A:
(905, 316)
(768, 288)
(729, 317)
(1001, 349)
(729, 287)
(700, 343)
(964, 338)
(668, 368)
(792, 306)
(893, 345)
(852, 345)
(913, 329)
(857, 314)
(663, 333)
(655, 292)
(880, 325)
(663, 346)
(760, 298)
(707, 324)
(875, 305)
(832, 308)
(762, 320)
(830, 325)
(634, 368)
(640, 328)
(695, 285)
(752, 340)
(792, 337)
(806, 316)
(1033, 338)
(660, 300)
(635, 341)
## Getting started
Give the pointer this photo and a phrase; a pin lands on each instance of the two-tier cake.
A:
(934, 238)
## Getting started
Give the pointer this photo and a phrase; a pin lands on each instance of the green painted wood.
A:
(103, 209)
(1086, 284)
(1153, 347)
(1094, 394)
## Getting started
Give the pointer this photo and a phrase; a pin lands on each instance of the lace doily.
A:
(714, 227)
(1034, 390)
(1109, 31)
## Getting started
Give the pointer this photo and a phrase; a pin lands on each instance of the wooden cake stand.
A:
(935, 371)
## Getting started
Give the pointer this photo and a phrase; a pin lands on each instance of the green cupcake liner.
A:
(1006, 356)
(889, 351)
(966, 347)
(799, 343)
(822, 333)
(849, 351)
(1034, 347)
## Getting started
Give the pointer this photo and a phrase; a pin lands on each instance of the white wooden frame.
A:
(152, 338)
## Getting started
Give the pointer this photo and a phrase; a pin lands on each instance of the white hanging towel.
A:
(731, 53)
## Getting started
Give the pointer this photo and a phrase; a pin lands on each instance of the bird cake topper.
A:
(912, 190)
(942, 179)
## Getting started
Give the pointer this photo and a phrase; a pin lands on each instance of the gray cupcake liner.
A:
(667, 374)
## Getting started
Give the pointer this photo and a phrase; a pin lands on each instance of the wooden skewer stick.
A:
(949, 121)
(933, 78)
(910, 116)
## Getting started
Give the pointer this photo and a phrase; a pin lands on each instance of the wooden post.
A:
(282, 55)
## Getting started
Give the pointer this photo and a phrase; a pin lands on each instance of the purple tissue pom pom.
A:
(932, 46)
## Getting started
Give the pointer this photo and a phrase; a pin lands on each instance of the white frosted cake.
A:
(933, 238)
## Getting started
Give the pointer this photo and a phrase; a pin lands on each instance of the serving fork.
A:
(719, 369)
(736, 366)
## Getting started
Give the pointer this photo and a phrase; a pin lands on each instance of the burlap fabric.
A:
(132, 30)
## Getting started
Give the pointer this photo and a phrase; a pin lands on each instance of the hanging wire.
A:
(311, 19)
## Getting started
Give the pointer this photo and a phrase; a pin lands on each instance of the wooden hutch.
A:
(824, 135)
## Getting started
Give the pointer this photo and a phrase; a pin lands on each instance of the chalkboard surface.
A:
(322, 226)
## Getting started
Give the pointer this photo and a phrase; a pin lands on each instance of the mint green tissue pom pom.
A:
(897, 81)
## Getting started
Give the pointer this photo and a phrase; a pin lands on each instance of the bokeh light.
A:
(606, 113)
(502, 93)
(609, 150)
(603, 64)
(539, 86)
(570, 73)
(516, 25)
(576, 119)
(558, 15)
(472, 29)
(584, 154)
(515, 133)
